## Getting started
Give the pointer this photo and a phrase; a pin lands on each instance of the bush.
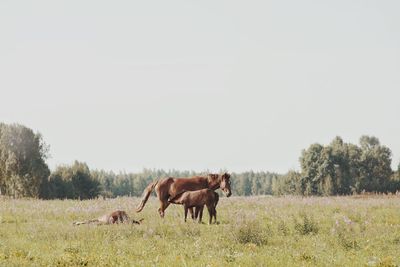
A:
(251, 232)
(347, 233)
(306, 225)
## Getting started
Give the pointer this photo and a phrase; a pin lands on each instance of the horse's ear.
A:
(226, 175)
(213, 175)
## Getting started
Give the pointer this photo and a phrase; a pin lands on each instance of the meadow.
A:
(252, 231)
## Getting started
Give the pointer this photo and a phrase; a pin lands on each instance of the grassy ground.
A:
(254, 231)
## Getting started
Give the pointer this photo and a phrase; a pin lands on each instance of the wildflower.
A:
(347, 220)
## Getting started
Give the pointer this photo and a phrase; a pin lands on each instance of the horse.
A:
(199, 211)
(167, 188)
(197, 199)
(118, 216)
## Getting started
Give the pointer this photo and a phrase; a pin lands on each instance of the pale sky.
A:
(200, 85)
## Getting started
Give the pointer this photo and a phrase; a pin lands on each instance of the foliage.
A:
(22, 161)
(73, 181)
(341, 168)
(250, 231)
(305, 225)
(133, 184)
(288, 184)
(347, 233)
(336, 169)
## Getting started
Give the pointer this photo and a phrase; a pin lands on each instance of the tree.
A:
(22, 161)
(375, 165)
(342, 168)
(317, 165)
(73, 181)
(106, 180)
(288, 184)
(367, 142)
(346, 158)
(256, 185)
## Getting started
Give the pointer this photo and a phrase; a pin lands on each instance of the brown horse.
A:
(197, 199)
(118, 216)
(199, 211)
(170, 187)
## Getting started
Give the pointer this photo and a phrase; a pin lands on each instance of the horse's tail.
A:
(146, 195)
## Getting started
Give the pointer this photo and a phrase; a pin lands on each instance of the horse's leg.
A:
(186, 211)
(215, 215)
(191, 213)
(163, 198)
(201, 213)
(196, 213)
(163, 206)
(210, 214)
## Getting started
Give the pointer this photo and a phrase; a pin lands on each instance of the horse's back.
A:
(188, 184)
(171, 186)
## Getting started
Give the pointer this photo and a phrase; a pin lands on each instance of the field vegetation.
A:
(338, 168)
(252, 231)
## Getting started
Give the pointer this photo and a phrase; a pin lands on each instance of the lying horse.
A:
(118, 216)
(197, 199)
(168, 188)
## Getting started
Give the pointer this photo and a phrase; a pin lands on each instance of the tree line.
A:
(77, 181)
(336, 169)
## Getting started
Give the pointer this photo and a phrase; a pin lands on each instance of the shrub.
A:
(306, 225)
(347, 233)
(251, 232)
(283, 227)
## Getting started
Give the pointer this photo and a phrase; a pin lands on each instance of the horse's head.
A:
(225, 184)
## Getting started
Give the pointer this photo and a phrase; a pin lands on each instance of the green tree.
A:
(22, 161)
(256, 185)
(346, 159)
(342, 168)
(288, 184)
(375, 165)
(317, 164)
(73, 181)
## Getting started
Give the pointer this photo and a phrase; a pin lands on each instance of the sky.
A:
(200, 85)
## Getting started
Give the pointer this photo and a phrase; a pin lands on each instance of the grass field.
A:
(253, 231)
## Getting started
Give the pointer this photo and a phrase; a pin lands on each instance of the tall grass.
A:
(254, 231)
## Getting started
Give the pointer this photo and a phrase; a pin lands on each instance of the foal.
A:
(118, 216)
(197, 199)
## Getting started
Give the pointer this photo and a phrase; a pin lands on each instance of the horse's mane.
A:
(212, 177)
(213, 180)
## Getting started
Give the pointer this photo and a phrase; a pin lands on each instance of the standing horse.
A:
(197, 199)
(170, 187)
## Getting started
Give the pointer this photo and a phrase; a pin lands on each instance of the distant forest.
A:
(336, 169)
